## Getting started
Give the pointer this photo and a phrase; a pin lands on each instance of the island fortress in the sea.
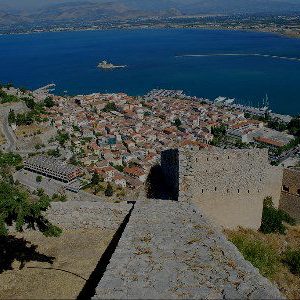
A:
(106, 65)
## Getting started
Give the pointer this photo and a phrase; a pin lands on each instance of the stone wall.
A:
(170, 251)
(229, 185)
(290, 195)
(90, 214)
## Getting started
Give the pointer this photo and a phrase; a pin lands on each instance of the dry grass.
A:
(288, 283)
(76, 251)
(29, 130)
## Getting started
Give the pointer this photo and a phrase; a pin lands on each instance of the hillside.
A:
(12, 12)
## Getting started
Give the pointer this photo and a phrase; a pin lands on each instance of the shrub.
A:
(260, 255)
(292, 259)
(39, 178)
(272, 218)
(95, 179)
(109, 191)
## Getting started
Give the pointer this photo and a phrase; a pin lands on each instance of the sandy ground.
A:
(76, 254)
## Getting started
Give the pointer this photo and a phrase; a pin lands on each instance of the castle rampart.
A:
(228, 185)
(290, 195)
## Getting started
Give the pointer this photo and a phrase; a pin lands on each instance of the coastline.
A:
(221, 28)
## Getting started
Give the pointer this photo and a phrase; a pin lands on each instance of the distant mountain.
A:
(16, 11)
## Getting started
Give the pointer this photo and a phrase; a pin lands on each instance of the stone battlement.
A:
(229, 185)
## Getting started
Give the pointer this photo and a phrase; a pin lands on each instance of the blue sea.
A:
(226, 63)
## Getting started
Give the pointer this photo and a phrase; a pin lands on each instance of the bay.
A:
(241, 65)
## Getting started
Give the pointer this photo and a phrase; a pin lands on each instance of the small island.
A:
(105, 65)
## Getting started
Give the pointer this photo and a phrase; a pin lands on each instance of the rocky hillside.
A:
(13, 11)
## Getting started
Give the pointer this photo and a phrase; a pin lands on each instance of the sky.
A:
(36, 4)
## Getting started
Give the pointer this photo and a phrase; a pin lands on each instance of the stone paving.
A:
(170, 251)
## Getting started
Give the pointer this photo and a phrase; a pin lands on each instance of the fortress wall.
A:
(228, 185)
(169, 250)
(290, 200)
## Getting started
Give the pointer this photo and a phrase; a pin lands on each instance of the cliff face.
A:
(170, 251)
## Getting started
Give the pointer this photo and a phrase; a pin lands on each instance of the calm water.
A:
(69, 59)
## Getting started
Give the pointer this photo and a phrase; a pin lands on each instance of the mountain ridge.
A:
(52, 11)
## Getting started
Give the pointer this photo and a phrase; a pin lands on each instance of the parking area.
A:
(49, 185)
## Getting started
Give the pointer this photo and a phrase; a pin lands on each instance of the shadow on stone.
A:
(12, 248)
(89, 289)
(156, 185)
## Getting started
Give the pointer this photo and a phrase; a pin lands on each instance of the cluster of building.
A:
(52, 168)
(254, 131)
(121, 137)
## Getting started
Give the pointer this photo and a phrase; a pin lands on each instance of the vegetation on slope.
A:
(274, 249)
(17, 206)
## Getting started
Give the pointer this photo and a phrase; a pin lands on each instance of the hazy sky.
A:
(30, 4)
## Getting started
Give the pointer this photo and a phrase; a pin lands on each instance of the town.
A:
(106, 144)
(284, 24)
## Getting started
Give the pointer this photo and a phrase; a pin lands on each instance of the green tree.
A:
(29, 102)
(218, 131)
(17, 208)
(95, 179)
(39, 179)
(272, 218)
(49, 102)
(62, 137)
(177, 122)
(111, 106)
(54, 152)
(11, 117)
(294, 126)
(109, 190)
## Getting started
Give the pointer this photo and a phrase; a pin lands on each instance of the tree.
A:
(62, 137)
(294, 126)
(111, 106)
(54, 152)
(177, 122)
(218, 131)
(49, 102)
(95, 179)
(29, 102)
(272, 218)
(11, 117)
(17, 208)
(39, 179)
(109, 191)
